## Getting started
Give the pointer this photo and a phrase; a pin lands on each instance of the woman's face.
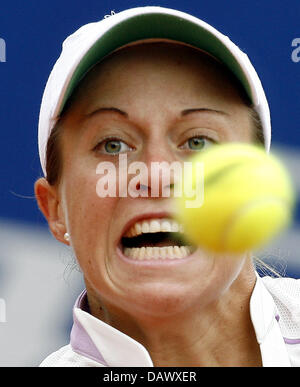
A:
(153, 103)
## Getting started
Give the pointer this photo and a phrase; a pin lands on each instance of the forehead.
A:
(177, 63)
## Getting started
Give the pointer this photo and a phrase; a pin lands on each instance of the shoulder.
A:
(66, 357)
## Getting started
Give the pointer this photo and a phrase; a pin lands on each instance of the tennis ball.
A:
(247, 197)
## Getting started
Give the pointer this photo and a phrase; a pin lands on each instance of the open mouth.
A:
(156, 239)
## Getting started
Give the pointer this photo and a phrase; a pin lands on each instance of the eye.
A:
(197, 143)
(112, 146)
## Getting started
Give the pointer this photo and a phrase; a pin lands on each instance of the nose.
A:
(159, 191)
(158, 174)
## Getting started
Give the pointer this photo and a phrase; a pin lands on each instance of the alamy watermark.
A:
(2, 50)
(162, 179)
(2, 311)
(296, 51)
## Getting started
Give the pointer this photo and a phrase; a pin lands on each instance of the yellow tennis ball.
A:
(247, 197)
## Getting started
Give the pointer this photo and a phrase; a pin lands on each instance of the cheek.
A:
(89, 218)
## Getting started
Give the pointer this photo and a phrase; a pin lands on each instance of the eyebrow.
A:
(199, 110)
(183, 113)
(108, 109)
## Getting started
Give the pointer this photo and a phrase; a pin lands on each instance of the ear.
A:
(48, 200)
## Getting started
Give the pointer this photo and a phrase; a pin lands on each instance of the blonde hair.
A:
(271, 264)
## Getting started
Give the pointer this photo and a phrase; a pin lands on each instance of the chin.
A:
(163, 300)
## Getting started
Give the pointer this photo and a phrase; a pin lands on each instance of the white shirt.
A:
(274, 311)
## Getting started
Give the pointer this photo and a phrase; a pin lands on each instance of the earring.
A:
(67, 237)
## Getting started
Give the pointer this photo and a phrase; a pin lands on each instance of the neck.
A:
(220, 334)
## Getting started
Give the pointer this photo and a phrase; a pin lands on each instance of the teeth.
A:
(137, 228)
(177, 252)
(135, 253)
(154, 225)
(145, 227)
(175, 227)
(170, 252)
(165, 226)
(141, 253)
(184, 251)
(167, 252)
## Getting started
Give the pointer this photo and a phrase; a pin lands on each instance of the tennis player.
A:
(155, 84)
